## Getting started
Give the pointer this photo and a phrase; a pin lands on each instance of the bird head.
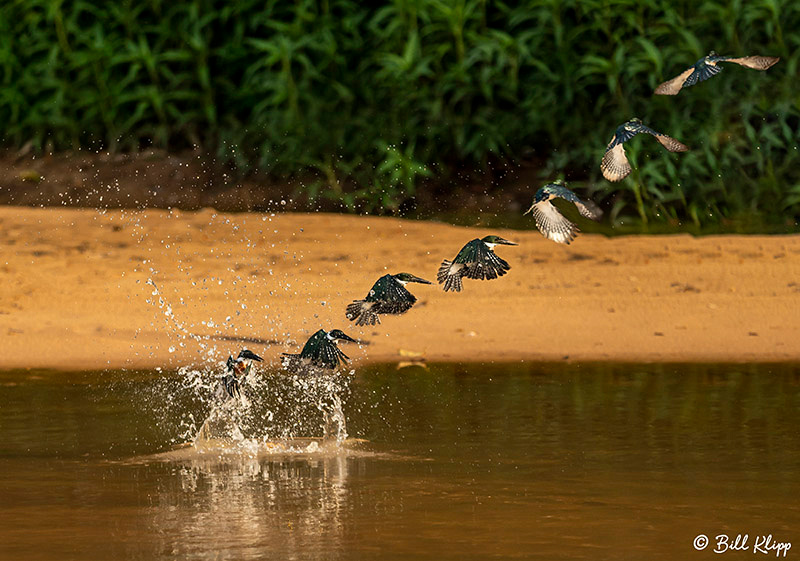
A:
(408, 277)
(632, 124)
(496, 240)
(339, 334)
(542, 195)
(248, 354)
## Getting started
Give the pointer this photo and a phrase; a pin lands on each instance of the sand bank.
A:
(144, 289)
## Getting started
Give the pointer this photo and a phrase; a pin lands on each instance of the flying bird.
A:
(707, 67)
(615, 165)
(387, 296)
(237, 370)
(320, 351)
(550, 222)
(476, 260)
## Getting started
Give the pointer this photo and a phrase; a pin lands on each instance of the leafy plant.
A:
(379, 102)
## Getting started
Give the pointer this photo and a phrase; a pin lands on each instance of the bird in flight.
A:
(387, 296)
(550, 222)
(237, 370)
(319, 352)
(615, 165)
(708, 66)
(476, 260)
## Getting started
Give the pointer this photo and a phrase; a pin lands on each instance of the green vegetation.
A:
(375, 102)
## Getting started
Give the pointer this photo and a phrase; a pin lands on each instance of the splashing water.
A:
(275, 407)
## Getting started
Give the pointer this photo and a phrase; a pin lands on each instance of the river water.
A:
(522, 461)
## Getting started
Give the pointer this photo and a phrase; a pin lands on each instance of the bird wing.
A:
(666, 141)
(486, 265)
(362, 312)
(552, 224)
(672, 87)
(396, 299)
(615, 165)
(703, 73)
(754, 62)
(379, 289)
(328, 355)
(390, 297)
(586, 208)
(469, 253)
(450, 275)
(589, 209)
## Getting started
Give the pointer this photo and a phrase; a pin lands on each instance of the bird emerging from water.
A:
(387, 296)
(550, 222)
(476, 260)
(237, 370)
(615, 165)
(708, 66)
(320, 351)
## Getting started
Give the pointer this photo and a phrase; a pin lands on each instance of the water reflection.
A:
(235, 506)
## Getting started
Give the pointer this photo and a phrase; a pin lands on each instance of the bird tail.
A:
(361, 314)
(451, 281)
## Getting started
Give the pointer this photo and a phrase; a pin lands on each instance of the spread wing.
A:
(328, 355)
(754, 62)
(702, 74)
(672, 87)
(615, 165)
(485, 264)
(586, 208)
(398, 301)
(390, 297)
(552, 224)
(666, 141)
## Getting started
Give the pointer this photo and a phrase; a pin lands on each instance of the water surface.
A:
(461, 462)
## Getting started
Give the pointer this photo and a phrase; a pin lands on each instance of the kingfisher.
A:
(387, 296)
(237, 370)
(550, 222)
(708, 66)
(320, 351)
(476, 260)
(615, 165)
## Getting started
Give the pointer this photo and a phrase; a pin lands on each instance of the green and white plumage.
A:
(707, 67)
(476, 260)
(320, 351)
(237, 370)
(550, 222)
(615, 165)
(387, 296)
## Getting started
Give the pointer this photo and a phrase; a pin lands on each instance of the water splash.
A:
(275, 407)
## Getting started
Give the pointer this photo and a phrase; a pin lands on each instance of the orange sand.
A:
(75, 295)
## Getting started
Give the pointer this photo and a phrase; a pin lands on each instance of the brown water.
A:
(461, 462)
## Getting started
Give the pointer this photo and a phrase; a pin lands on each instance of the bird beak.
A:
(251, 355)
(506, 242)
(420, 281)
(347, 338)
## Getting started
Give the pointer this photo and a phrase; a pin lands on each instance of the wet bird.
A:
(550, 222)
(387, 296)
(708, 66)
(320, 351)
(476, 260)
(238, 369)
(615, 165)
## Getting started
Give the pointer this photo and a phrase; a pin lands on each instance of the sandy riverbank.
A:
(75, 291)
